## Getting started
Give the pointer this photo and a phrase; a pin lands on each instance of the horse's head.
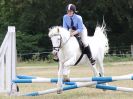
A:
(58, 37)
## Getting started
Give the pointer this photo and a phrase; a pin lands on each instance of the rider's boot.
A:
(89, 55)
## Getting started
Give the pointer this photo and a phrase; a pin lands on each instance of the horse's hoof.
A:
(66, 78)
(59, 91)
(17, 88)
(104, 90)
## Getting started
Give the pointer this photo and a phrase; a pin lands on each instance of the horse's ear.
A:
(49, 29)
(58, 30)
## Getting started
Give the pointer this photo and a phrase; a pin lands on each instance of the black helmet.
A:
(71, 7)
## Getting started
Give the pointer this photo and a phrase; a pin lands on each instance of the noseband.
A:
(56, 48)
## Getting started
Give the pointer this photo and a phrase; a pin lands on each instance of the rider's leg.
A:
(87, 47)
(89, 55)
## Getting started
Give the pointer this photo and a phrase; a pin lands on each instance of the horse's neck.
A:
(70, 44)
(70, 47)
(65, 37)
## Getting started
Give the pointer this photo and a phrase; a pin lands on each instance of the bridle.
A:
(57, 48)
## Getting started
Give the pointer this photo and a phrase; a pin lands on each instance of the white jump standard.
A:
(8, 61)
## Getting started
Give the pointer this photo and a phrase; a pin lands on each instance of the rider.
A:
(74, 23)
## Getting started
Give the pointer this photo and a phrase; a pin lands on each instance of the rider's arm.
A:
(80, 25)
(64, 22)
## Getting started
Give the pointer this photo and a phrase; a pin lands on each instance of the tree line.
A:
(33, 18)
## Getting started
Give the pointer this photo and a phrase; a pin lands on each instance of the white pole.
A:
(13, 60)
(8, 65)
(3, 50)
(2, 74)
(12, 68)
(14, 55)
(4, 43)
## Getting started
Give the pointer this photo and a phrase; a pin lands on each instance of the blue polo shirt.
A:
(77, 20)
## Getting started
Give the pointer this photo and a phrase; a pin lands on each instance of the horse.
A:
(68, 50)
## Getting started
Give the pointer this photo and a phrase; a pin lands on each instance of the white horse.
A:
(68, 50)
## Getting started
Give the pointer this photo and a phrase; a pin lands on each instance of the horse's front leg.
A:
(95, 70)
(60, 81)
(66, 72)
(66, 67)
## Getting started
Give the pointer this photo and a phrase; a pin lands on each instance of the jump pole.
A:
(87, 79)
(27, 77)
(69, 87)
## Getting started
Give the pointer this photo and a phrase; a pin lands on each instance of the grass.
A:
(108, 59)
(118, 58)
(50, 70)
(37, 63)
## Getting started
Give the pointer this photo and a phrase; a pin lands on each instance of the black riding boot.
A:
(88, 52)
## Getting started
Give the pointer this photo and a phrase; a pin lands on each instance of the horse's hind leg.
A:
(101, 68)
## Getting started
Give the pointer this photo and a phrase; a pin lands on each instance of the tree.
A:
(33, 18)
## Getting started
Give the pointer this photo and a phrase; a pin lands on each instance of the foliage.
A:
(123, 58)
(50, 58)
(32, 19)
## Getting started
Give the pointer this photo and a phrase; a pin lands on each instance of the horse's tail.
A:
(101, 35)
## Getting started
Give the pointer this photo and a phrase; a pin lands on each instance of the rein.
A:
(61, 45)
(65, 43)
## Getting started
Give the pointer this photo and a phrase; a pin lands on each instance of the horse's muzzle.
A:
(55, 53)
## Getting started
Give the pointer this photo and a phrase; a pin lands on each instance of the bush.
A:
(50, 58)
(110, 58)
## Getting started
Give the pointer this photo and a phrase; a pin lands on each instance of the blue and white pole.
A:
(76, 85)
(114, 88)
(79, 85)
(37, 80)
(26, 77)
(87, 79)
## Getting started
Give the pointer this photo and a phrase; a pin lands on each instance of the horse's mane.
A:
(57, 30)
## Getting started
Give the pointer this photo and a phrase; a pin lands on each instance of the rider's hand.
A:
(73, 33)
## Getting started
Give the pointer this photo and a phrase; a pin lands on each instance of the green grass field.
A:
(50, 70)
